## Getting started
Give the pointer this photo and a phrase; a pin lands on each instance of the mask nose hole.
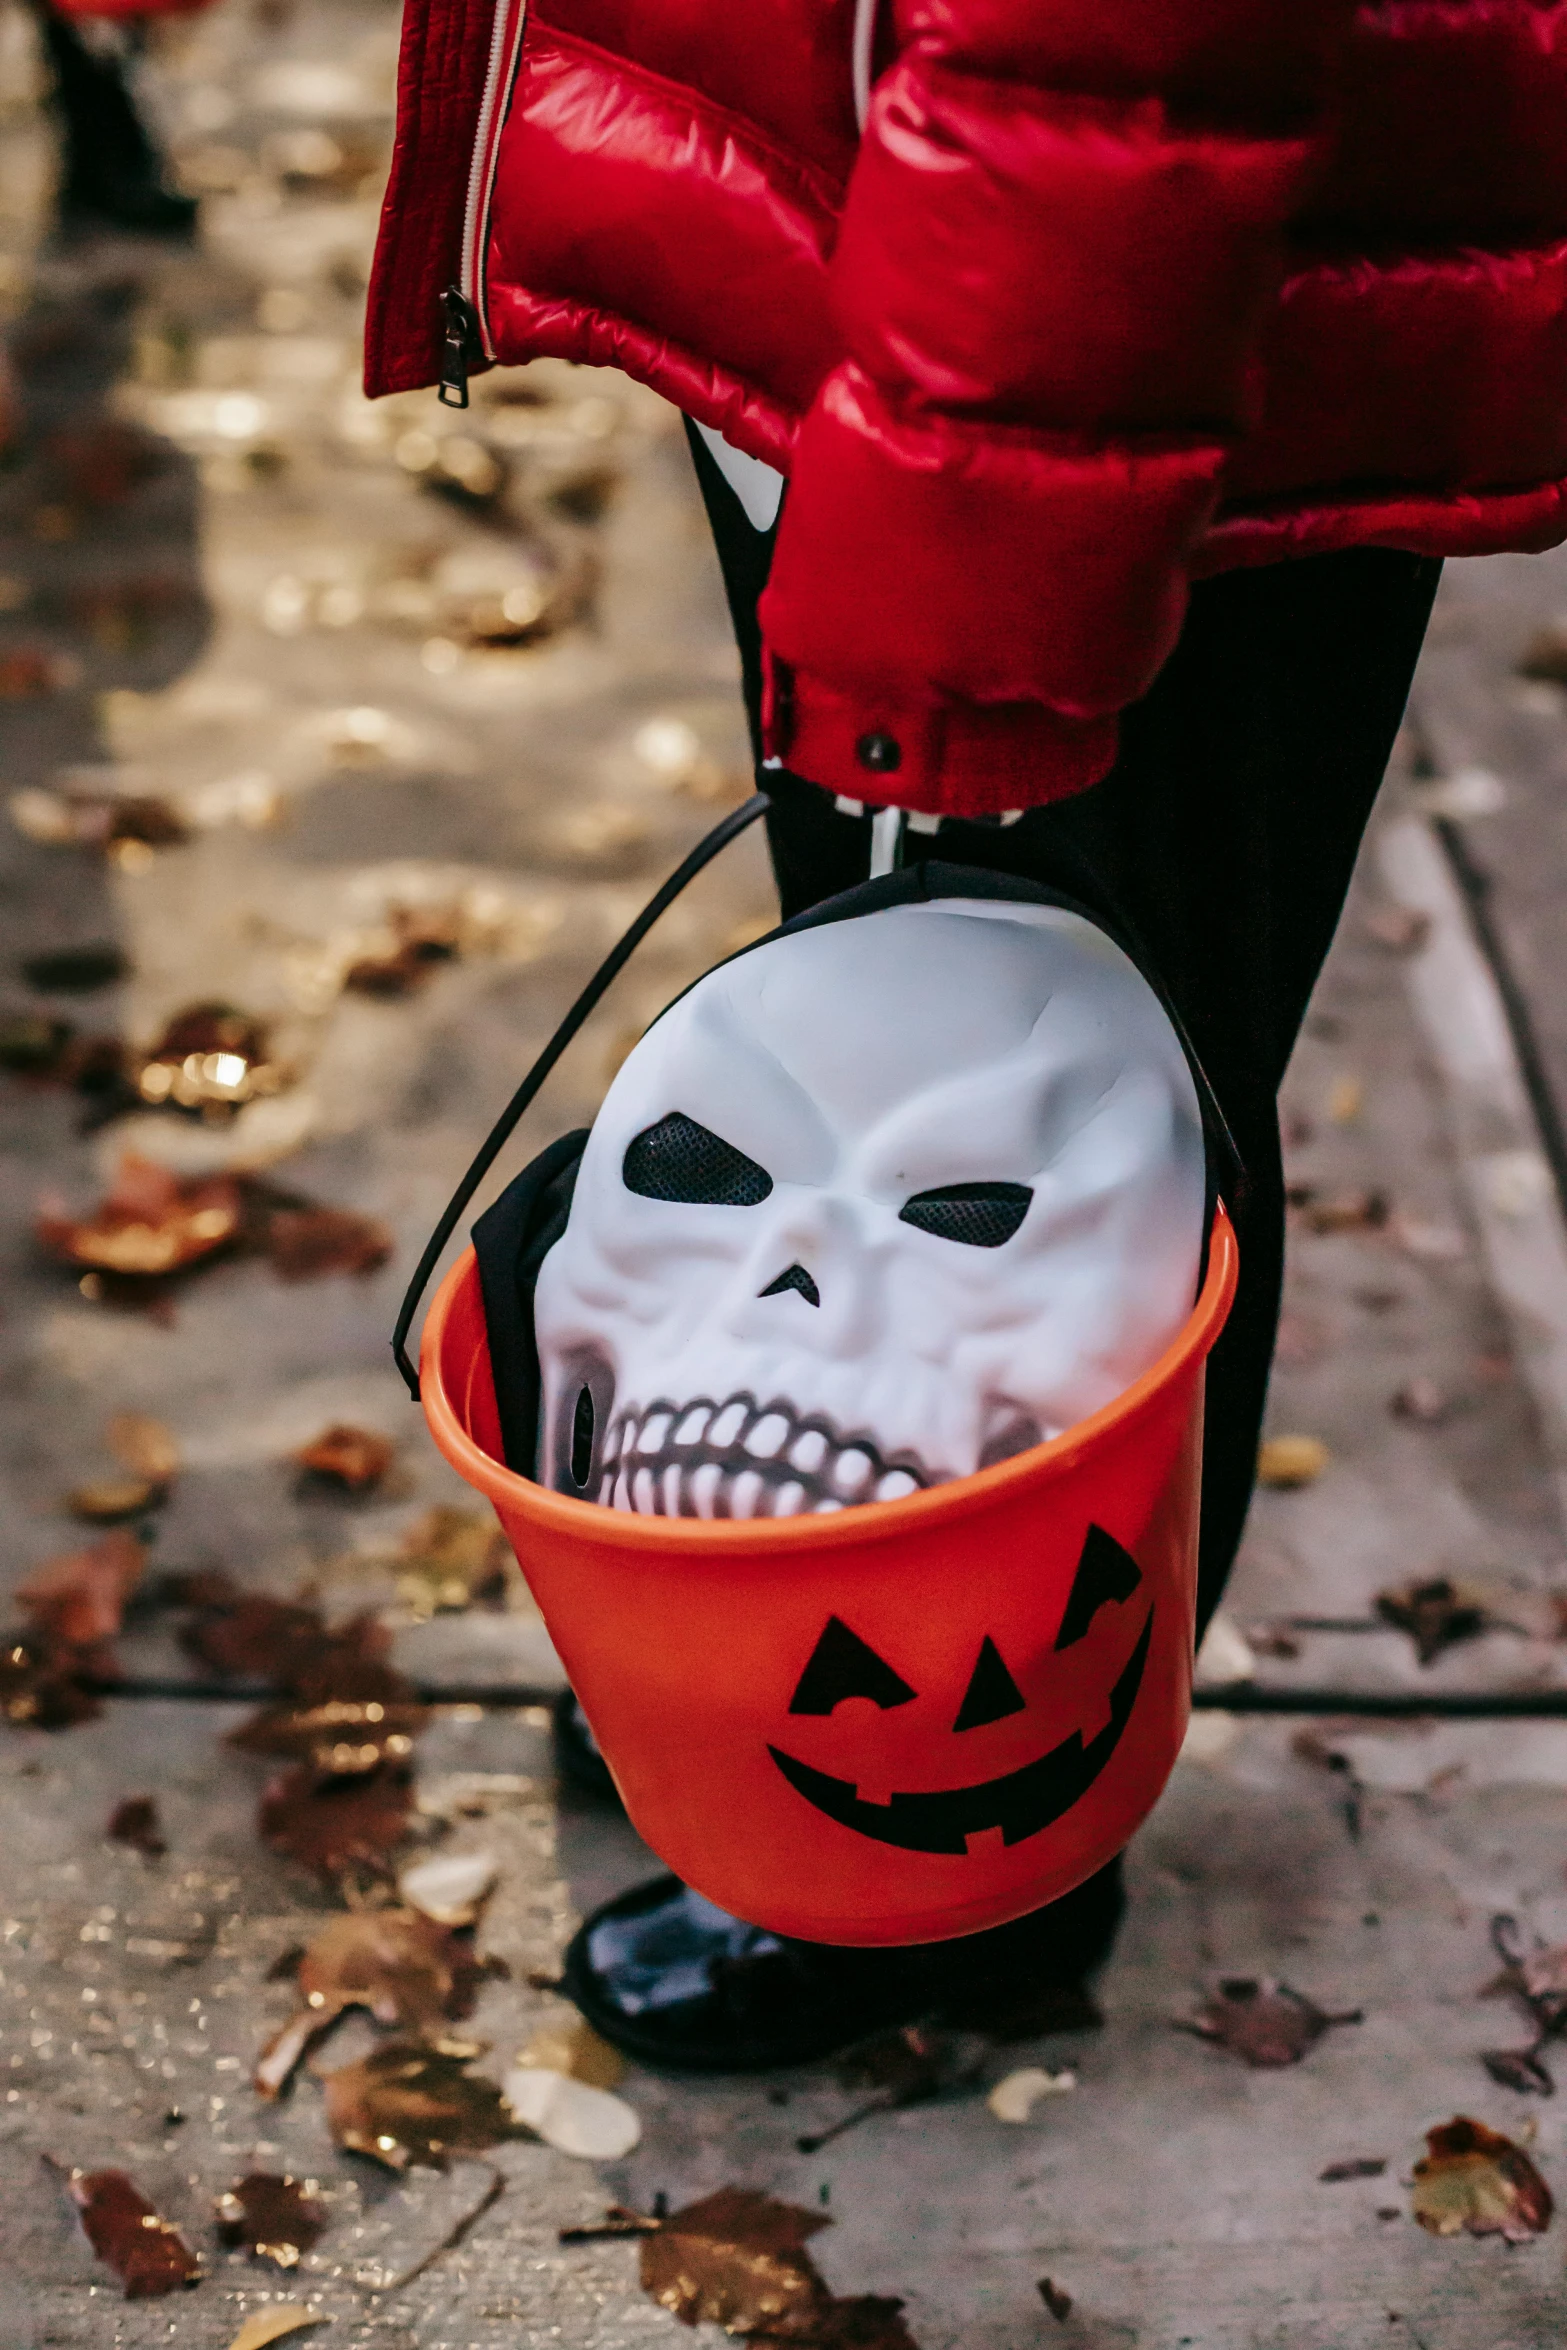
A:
(582, 1439)
(796, 1277)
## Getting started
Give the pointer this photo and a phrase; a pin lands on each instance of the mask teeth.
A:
(739, 1460)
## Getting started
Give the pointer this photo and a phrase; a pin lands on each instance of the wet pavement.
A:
(377, 724)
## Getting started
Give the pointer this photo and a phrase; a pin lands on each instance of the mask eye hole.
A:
(982, 1215)
(679, 1160)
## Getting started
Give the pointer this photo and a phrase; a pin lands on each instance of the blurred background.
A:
(338, 742)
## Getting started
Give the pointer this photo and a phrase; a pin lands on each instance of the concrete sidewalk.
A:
(477, 669)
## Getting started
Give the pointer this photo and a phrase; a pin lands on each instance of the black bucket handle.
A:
(501, 1132)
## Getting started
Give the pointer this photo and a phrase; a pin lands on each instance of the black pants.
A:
(1224, 839)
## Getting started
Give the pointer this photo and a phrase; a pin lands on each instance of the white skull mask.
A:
(870, 1207)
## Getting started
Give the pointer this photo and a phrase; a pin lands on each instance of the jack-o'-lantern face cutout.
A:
(1019, 1802)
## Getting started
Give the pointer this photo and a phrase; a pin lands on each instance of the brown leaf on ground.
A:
(145, 1446)
(39, 1689)
(135, 1821)
(1262, 2021)
(1520, 2069)
(303, 1243)
(109, 1501)
(272, 2216)
(1544, 658)
(336, 1826)
(450, 1558)
(862, 2321)
(349, 1714)
(1356, 2166)
(265, 2326)
(1058, 2303)
(148, 1224)
(1474, 2180)
(355, 1458)
(147, 2253)
(1287, 1462)
(211, 1058)
(419, 939)
(1436, 1614)
(78, 1600)
(32, 1045)
(272, 1639)
(408, 1971)
(1355, 1210)
(407, 2103)
(737, 2259)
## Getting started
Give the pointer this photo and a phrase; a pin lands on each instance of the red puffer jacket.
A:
(1103, 294)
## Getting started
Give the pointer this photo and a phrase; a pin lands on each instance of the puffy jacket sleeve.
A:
(1062, 235)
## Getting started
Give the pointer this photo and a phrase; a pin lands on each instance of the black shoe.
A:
(577, 1756)
(681, 1986)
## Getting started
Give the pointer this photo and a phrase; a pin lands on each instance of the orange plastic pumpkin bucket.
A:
(782, 1701)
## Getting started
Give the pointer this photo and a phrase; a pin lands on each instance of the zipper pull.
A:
(460, 346)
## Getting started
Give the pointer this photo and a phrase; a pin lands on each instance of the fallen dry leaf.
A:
(270, 1639)
(589, 2123)
(303, 1243)
(575, 2049)
(1520, 2069)
(78, 1600)
(147, 1447)
(1346, 1100)
(449, 1559)
(1475, 2180)
(355, 1458)
(270, 2325)
(337, 1826)
(1058, 2303)
(349, 1714)
(1436, 1614)
(408, 1971)
(109, 1501)
(147, 2253)
(452, 1887)
(1544, 658)
(1014, 2098)
(135, 1821)
(1262, 2021)
(1288, 1462)
(272, 2216)
(406, 2103)
(209, 1058)
(1355, 1210)
(40, 1689)
(148, 1225)
(737, 2259)
(1355, 2166)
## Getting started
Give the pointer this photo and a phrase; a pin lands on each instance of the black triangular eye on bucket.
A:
(841, 1665)
(1104, 1572)
(992, 1693)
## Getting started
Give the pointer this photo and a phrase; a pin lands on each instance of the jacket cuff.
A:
(937, 758)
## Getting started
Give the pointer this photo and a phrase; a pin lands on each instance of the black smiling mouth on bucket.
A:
(1020, 1803)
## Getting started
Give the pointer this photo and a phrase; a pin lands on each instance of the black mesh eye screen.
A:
(982, 1215)
(679, 1160)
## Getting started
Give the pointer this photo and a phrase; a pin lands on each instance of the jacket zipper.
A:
(466, 334)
